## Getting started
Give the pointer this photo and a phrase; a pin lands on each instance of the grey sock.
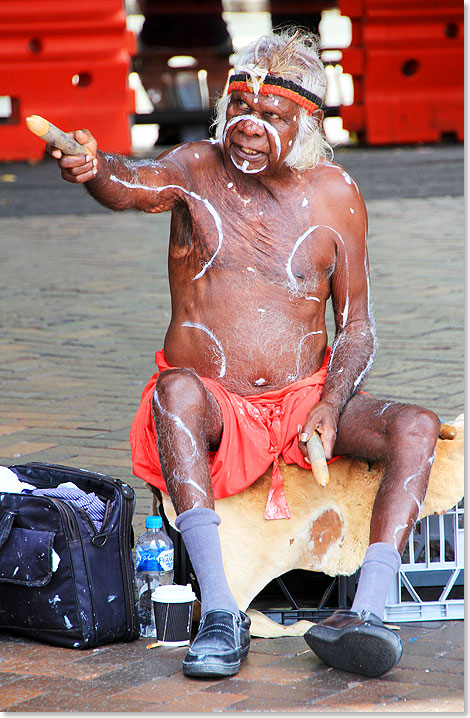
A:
(381, 563)
(199, 529)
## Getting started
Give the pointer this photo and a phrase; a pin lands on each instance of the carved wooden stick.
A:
(51, 134)
(447, 432)
(317, 459)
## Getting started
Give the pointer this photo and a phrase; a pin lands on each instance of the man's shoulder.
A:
(335, 179)
(335, 172)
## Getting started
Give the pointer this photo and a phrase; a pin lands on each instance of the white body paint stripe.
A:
(180, 424)
(196, 325)
(298, 242)
(205, 202)
(299, 353)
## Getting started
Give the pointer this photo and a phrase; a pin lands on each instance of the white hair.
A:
(293, 55)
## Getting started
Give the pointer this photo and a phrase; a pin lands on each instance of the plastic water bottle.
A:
(154, 567)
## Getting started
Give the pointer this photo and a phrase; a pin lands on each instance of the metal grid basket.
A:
(428, 586)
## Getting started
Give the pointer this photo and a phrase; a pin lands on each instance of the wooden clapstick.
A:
(447, 432)
(317, 459)
(51, 134)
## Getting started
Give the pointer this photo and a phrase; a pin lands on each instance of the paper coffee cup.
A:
(173, 607)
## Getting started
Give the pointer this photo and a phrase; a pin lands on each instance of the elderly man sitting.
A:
(265, 229)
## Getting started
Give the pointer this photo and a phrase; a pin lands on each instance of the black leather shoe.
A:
(355, 642)
(221, 643)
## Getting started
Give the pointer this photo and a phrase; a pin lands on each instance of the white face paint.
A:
(196, 325)
(258, 121)
(206, 203)
(244, 167)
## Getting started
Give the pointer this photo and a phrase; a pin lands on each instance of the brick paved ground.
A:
(85, 305)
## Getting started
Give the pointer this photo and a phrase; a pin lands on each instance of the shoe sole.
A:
(368, 650)
(208, 669)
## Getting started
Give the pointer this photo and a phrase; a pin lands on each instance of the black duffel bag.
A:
(63, 580)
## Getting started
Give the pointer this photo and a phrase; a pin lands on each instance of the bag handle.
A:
(6, 522)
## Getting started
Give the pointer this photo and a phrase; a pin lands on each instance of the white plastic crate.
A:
(432, 566)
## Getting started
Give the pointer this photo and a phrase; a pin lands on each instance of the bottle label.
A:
(166, 559)
(150, 560)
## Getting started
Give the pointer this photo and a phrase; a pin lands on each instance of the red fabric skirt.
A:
(256, 431)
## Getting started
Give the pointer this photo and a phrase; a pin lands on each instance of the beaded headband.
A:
(272, 85)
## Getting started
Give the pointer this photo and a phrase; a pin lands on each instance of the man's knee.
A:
(178, 390)
(414, 427)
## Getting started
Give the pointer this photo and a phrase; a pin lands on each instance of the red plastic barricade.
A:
(69, 64)
(407, 63)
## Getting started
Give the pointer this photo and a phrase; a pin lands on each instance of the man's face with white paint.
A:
(260, 131)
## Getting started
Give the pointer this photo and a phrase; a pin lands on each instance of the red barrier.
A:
(69, 64)
(406, 60)
(90, 103)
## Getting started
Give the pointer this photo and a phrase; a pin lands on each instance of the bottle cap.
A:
(153, 522)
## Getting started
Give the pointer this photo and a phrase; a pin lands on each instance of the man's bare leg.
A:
(404, 438)
(189, 422)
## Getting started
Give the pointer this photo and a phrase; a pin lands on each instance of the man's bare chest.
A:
(285, 242)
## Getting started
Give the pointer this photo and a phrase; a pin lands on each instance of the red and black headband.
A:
(272, 85)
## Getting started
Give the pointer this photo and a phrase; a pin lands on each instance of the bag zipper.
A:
(126, 556)
(68, 517)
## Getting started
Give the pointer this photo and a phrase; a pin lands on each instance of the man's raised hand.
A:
(78, 168)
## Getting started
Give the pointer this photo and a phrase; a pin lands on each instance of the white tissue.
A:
(10, 483)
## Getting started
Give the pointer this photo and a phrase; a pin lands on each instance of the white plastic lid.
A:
(173, 593)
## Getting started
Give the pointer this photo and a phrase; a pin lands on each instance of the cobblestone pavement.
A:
(85, 305)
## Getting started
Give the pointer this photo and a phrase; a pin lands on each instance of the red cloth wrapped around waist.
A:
(257, 430)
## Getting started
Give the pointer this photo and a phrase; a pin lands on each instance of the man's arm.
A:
(354, 346)
(119, 182)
